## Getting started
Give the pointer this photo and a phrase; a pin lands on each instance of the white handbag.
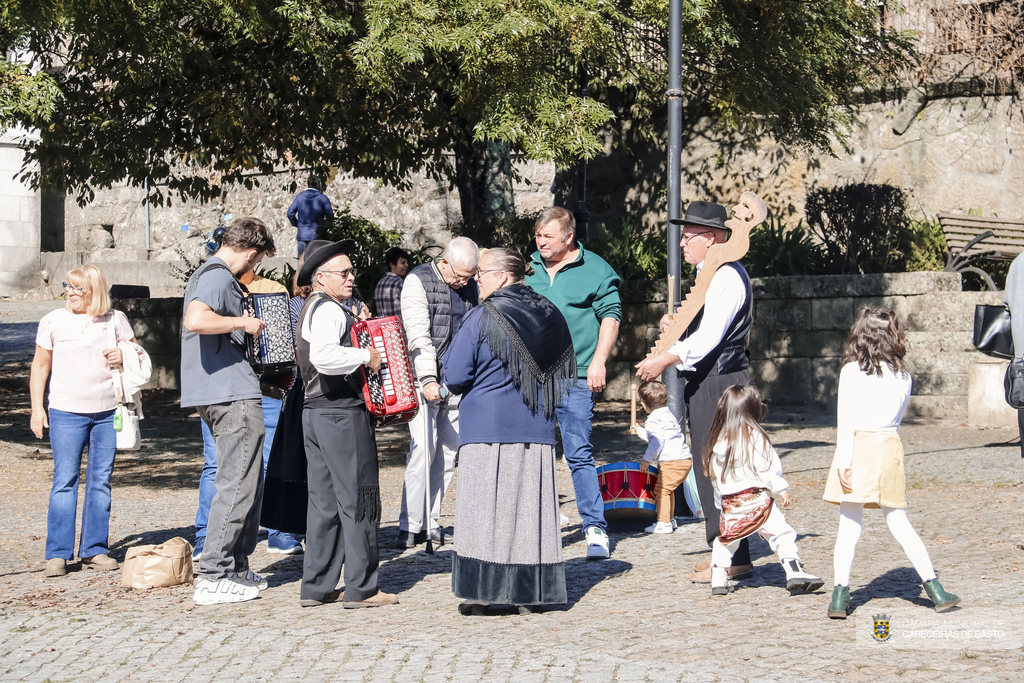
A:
(126, 420)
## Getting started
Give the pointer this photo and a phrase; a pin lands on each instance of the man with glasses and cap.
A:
(435, 297)
(712, 356)
(341, 449)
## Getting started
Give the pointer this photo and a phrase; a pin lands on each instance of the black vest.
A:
(327, 391)
(439, 306)
(731, 353)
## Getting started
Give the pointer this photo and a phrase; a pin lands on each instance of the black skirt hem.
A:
(505, 584)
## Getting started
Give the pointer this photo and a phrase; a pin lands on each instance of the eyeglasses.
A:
(481, 272)
(77, 289)
(689, 236)
(343, 274)
(460, 278)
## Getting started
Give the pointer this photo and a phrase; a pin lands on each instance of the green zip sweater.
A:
(586, 291)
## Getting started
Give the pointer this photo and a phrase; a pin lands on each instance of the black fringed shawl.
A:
(531, 339)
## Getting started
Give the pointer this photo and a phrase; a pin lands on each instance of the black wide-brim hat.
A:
(707, 214)
(319, 252)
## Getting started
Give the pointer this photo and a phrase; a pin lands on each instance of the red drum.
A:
(390, 393)
(627, 492)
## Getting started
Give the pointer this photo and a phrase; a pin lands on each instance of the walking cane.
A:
(426, 467)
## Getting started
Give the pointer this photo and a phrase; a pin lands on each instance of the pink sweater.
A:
(80, 379)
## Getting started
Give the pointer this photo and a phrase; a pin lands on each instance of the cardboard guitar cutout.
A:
(747, 215)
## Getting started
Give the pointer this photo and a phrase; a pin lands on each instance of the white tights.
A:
(850, 524)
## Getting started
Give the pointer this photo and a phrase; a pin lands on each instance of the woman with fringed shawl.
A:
(512, 361)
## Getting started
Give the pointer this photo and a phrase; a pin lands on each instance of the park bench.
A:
(971, 238)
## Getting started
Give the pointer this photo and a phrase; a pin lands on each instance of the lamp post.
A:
(675, 123)
(582, 215)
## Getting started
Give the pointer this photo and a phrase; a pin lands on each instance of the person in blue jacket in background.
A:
(308, 210)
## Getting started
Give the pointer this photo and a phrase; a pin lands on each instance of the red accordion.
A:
(390, 392)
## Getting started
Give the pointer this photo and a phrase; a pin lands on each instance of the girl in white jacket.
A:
(747, 476)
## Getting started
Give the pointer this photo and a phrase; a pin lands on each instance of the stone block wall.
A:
(800, 330)
(796, 345)
(19, 221)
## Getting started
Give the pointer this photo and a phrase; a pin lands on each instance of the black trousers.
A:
(343, 512)
(701, 397)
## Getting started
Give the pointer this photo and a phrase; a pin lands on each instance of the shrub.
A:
(511, 232)
(774, 251)
(928, 246)
(633, 252)
(863, 228)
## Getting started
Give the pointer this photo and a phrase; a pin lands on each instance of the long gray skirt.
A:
(508, 541)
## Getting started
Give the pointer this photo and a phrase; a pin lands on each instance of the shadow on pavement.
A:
(896, 583)
(153, 536)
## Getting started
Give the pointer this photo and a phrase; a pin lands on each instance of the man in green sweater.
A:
(586, 290)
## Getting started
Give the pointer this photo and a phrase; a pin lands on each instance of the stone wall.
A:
(19, 221)
(800, 328)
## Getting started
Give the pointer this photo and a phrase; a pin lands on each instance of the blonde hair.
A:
(96, 289)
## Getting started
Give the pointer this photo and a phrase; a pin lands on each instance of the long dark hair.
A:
(737, 420)
(877, 337)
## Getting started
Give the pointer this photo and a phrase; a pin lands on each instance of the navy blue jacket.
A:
(307, 211)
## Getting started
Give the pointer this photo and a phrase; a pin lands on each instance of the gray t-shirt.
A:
(213, 366)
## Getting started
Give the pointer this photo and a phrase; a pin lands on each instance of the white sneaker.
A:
(597, 544)
(563, 520)
(251, 578)
(661, 528)
(221, 591)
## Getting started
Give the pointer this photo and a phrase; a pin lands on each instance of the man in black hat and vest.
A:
(341, 449)
(712, 356)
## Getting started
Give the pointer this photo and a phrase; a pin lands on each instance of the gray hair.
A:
(462, 250)
(511, 262)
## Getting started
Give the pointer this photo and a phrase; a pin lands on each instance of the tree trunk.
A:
(483, 175)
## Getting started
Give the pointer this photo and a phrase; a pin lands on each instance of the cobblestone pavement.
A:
(633, 617)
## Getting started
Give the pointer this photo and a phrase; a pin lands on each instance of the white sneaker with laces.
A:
(222, 591)
(251, 578)
(597, 544)
(660, 528)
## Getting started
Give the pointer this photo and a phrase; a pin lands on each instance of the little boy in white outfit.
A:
(667, 448)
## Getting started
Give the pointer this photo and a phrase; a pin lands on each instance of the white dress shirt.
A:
(871, 403)
(322, 330)
(664, 437)
(756, 466)
(724, 300)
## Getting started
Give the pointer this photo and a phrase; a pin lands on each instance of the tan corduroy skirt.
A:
(877, 473)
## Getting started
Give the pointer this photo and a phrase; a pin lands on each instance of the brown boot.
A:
(703, 575)
(103, 563)
(56, 566)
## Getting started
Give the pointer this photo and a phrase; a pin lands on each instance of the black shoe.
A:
(472, 609)
(406, 539)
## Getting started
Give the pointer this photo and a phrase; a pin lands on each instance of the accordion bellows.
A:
(390, 393)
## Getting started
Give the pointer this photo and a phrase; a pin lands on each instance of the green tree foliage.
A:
(191, 94)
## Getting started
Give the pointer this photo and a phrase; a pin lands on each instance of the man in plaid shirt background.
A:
(388, 295)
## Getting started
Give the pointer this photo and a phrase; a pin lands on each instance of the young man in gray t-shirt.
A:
(220, 384)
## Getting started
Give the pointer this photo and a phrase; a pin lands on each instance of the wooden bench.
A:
(970, 238)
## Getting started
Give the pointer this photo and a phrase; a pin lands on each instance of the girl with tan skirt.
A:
(867, 469)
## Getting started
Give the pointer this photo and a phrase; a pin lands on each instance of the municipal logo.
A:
(880, 630)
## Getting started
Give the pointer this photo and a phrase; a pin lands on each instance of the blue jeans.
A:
(574, 418)
(301, 247)
(207, 487)
(69, 434)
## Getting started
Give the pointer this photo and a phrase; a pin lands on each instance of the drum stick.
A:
(671, 294)
(632, 408)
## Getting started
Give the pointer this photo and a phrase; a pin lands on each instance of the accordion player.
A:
(390, 393)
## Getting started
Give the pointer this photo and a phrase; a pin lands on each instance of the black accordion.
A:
(274, 350)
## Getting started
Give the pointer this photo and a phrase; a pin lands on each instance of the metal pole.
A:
(145, 203)
(675, 143)
(582, 215)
